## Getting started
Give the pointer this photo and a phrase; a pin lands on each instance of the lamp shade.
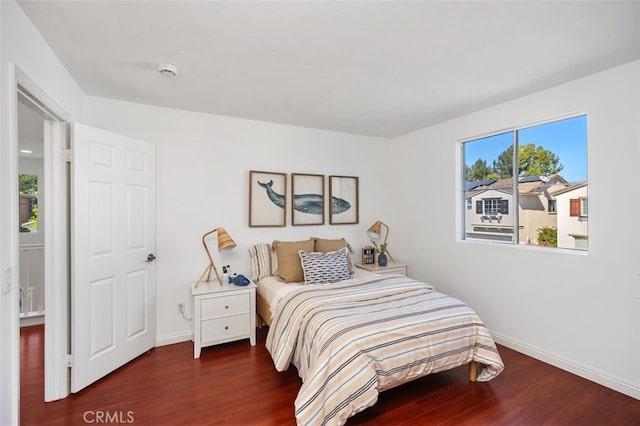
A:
(224, 240)
(375, 229)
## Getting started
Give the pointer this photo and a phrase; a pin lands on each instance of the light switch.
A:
(6, 279)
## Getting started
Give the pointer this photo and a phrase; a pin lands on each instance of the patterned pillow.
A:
(325, 245)
(320, 268)
(264, 262)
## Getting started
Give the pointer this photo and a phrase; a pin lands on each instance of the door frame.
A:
(56, 265)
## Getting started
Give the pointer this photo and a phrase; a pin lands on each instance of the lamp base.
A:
(207, 272)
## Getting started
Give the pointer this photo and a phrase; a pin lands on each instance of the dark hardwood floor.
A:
(236, 384)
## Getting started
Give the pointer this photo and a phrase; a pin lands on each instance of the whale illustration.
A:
(305, 203)
(275, 198)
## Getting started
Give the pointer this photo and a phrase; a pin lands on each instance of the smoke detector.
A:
(167, 70)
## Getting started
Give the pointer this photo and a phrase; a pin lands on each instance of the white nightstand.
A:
(391, 268)
(223, 314)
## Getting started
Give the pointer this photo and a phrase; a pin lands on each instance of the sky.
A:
(565, 138)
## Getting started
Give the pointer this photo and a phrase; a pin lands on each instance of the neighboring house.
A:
(537, 205)
(489, 208)
(572, 205)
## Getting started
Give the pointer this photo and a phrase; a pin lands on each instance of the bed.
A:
(354, 338)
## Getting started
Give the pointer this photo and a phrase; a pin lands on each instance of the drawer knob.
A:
(226, 307)
(226, 327)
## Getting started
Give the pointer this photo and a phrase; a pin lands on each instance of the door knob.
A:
(151, 257)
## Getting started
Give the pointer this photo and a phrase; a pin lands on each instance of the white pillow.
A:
(321, 268)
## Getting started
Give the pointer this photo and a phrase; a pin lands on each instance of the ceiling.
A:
(372, 68)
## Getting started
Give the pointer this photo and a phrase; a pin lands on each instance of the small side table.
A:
(223, 313)
(391, 268)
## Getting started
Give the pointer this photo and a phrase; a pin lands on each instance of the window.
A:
(492, 207)
(578, 207)
(584, 207)
(28, 203)
(580, 242)
(528, 185)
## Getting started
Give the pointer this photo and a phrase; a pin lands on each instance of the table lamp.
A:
(374, 233)
(224, 242)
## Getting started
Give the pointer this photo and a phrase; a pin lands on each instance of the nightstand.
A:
(391, 268)
(223, 313)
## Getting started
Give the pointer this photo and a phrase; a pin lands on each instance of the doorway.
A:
(31, 235)
(32, 223)
(42, 246)
(113, 226)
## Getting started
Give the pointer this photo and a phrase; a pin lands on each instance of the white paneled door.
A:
(113, 244)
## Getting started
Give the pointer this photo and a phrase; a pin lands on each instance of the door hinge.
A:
(67, 155)
(67, 360)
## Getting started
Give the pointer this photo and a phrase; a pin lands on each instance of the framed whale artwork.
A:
(343, 196)
(307, 199)
(267, 198)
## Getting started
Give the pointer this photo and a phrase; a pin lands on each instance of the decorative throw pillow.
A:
(289, 266)
(321, 268)
(325, 245)
(264, 262)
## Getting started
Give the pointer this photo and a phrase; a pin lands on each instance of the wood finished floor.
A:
(236, 384)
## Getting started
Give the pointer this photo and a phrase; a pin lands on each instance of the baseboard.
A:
(586, 372)
(174, 338)
(29, 321)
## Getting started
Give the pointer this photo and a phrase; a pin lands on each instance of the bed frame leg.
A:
(473, 371)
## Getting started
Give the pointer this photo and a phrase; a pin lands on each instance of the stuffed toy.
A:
(239, 280)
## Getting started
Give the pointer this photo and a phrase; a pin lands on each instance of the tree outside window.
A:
(28, 213)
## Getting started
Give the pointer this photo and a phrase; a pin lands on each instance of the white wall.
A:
(580, 312)
(21, 46)
(203, 164)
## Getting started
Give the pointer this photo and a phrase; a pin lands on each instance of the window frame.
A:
(514, 130)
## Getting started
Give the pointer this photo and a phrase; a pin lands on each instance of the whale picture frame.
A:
(307, 199)
(267, 199)
(343, 200)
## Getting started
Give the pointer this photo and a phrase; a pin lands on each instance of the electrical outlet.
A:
(180, 307)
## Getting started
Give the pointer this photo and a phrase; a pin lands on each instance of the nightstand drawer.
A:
(225, 328)
(216, 307)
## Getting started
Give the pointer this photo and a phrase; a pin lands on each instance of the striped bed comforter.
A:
(353, 339)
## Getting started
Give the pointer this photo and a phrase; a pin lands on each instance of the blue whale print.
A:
(305, 203)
